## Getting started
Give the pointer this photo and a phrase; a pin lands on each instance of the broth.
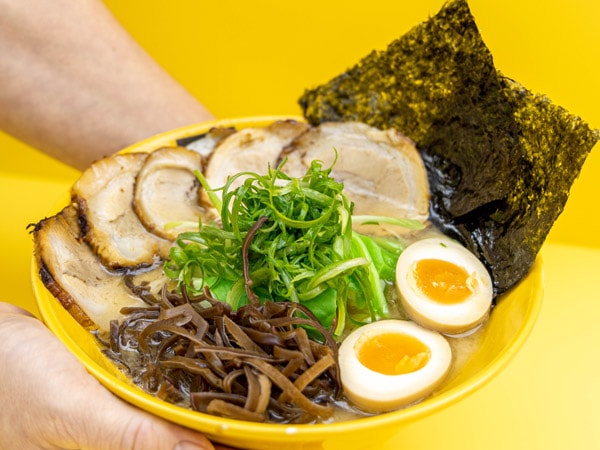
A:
(127, 356)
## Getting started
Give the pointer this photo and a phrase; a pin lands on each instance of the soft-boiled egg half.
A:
(443, 286)
(391, 363)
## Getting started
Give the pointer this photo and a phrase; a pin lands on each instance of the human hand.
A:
(49, 401)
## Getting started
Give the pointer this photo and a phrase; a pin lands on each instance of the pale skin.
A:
(76, 86)
(51, 402)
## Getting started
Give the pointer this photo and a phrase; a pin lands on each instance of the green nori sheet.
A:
(500, 159)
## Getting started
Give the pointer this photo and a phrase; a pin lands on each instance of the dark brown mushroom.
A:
(220, 361)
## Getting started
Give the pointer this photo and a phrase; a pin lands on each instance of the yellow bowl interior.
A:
(509, 326)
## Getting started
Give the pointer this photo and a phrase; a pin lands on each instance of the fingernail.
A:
(188, 445)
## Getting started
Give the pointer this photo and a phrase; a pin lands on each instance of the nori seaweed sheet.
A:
(500, 159)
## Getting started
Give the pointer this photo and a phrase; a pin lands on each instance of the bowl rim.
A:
(218, 426)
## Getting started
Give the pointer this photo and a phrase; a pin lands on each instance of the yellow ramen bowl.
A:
(509, 326)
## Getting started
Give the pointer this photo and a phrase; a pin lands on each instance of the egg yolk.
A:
(443, 281)
(392, 353)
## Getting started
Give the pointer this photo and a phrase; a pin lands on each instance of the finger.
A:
(9, 308)
(55, 403)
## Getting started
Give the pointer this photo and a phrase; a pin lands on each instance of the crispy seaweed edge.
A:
(526, 175)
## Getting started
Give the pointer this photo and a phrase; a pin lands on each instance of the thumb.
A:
(55, 403)
(108, 423)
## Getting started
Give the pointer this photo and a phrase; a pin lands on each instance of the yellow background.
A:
(256, 57)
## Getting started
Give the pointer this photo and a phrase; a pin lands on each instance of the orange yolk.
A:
(392, 353)
(442, 281)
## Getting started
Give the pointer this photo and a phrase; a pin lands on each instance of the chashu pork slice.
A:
(74, 274)
(249, 150)
(206, 143)
(382, 171)
(167, 192)
(104, 195)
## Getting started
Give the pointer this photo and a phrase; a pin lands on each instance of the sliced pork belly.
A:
(250, 150)
(205, 144)
(382, 171)
(74, 274)
(167, 191)
(104, 195)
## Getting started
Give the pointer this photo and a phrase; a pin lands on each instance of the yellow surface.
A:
(505, 333)
(547, 398)
(249, 58)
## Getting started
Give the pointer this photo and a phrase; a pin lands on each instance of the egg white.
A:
(376, 392)
(453, 318)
